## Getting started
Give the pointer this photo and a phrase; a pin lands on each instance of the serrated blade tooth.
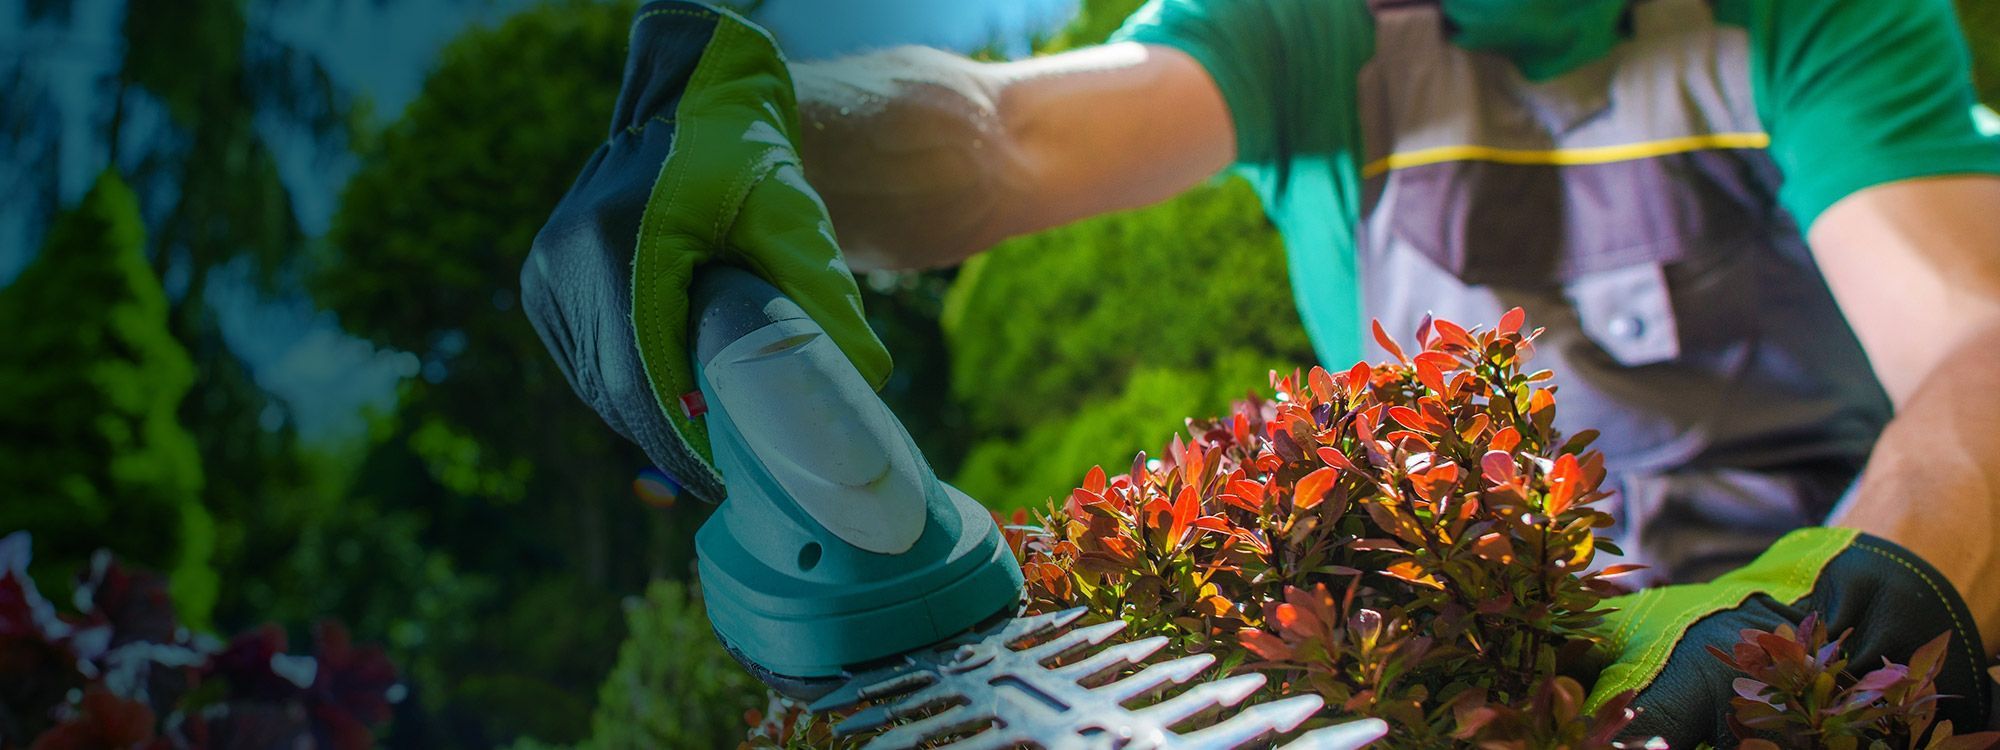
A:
(873, 686)
(1256, 721)
(1352, 735)
(1203, 697)
(882, 714)
(1176, 671)
(916, 733)
(1074, 639)
(1112, 656)
(1024, 627)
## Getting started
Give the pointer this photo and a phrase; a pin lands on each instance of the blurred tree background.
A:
(483, 526)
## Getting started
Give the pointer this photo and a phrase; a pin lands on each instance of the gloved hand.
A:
(1893, 601)
(701, 166)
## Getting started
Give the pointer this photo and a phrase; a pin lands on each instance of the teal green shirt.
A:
(1854, 93)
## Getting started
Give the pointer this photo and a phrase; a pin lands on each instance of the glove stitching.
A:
(641, 127)
(652, 226)
(1956, 624)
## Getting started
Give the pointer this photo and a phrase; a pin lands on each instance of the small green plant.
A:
(1412, 541)
(1797, 693)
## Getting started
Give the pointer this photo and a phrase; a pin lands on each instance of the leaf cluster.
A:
(1797, 693)
(121, 671)
(1412, 541)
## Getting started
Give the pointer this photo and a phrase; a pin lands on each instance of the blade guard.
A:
(837, 545)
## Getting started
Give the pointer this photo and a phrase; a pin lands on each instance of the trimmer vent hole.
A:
(809, 556)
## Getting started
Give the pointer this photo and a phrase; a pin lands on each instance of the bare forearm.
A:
(925, 158)
(1933, 483)
(908, 150)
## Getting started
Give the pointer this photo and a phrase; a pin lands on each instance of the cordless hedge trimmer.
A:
(841, 570)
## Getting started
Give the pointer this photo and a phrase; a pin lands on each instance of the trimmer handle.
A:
(804, 414)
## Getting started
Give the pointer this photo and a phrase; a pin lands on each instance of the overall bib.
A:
(1630, 207)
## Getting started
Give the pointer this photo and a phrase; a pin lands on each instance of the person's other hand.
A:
(1887, 600)
(701, 166)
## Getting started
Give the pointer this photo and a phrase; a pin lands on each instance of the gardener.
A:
(1763, 235)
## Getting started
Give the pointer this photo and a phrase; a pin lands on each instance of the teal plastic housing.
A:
(783, 590)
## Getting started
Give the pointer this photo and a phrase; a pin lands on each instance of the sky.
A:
(383, 50)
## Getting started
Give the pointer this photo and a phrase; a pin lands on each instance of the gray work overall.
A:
(1630, 207)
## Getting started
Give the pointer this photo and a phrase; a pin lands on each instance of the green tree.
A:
(1085, 343)
(95, 454)
(511, 478)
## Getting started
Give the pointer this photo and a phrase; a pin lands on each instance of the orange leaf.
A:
(1389, 344)
(1506, 440)
(1474, 428)
(1429, 374)
(1186, 508)
(1413, 573)
(1094, 481)
(1312, 489)
(1452, 334)
(1563, 481)
(1510, 322)
(1436, 481)
(1358, 378)
(1215, 606)
(1541, 400)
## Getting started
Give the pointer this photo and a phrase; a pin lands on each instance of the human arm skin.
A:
(1915, 266)
(925, 158)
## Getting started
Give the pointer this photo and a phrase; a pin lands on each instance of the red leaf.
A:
(1452, 335)
(1389, 344)
(1295, 619)
(1498, 466)
(1312, 489)
(1424, 332)
(1506, 440)
(1264, 644)
(1494, 547)
(1094, 481)
(1321, 383)
(1334, 458)
(1510, 323)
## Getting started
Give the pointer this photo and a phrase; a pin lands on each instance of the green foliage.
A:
(674, 686)
(95, 454)
(1075, 345)
(518, 494)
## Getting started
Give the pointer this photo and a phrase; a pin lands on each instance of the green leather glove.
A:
(700, 166)
(1893, 602)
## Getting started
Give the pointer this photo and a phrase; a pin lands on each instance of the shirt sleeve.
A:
(1286, 68)
(1859, 93)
